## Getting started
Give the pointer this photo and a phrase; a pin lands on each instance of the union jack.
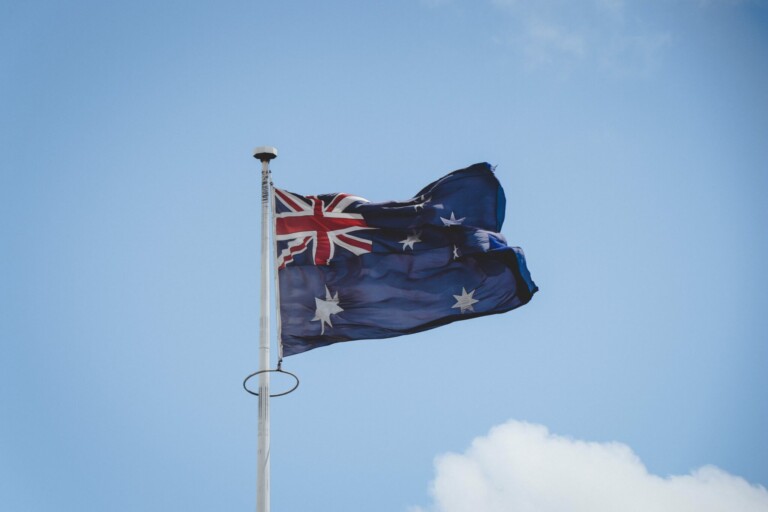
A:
(305, 221)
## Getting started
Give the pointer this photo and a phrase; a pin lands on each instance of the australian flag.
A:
(349, 269)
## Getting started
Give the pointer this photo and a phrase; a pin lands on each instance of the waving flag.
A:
(349, 269)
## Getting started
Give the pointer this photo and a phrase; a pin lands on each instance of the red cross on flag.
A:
(309, 221)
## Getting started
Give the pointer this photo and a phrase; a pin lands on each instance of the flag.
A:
(349, 269)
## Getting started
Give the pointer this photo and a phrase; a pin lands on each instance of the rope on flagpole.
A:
(276, 273)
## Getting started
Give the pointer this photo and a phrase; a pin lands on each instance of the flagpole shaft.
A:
(264, 154)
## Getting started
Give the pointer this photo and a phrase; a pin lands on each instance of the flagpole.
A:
(264, 154)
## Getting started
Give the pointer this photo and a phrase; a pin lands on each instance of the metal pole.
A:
(265, 154)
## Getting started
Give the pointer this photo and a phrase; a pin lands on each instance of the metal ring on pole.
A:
(278, 370)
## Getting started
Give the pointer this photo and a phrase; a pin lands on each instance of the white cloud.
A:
(520, 467)
(544, 41)
(608, 34)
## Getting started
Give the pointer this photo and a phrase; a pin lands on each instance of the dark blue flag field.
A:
(349, 269)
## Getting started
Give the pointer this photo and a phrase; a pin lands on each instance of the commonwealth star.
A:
(325, 308)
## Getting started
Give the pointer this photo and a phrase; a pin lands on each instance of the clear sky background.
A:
(632, 141)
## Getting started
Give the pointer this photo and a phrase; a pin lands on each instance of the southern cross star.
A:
(452, 221)
(325, 308)
(411, 239)
(455, 252)
(465, 300)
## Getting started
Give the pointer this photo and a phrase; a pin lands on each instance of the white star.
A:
(325, 308)
(455, 252)
(465, 300)
(411, 239)
(453, 221)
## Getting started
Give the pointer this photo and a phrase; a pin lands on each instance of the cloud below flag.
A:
(349, 269)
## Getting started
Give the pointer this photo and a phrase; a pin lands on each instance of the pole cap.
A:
(265, 153)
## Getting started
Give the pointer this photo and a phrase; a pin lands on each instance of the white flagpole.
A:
(265, 154)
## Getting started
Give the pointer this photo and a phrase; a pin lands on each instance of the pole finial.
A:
(265, 153)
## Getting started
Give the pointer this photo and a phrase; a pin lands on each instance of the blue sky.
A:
(630, 138)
